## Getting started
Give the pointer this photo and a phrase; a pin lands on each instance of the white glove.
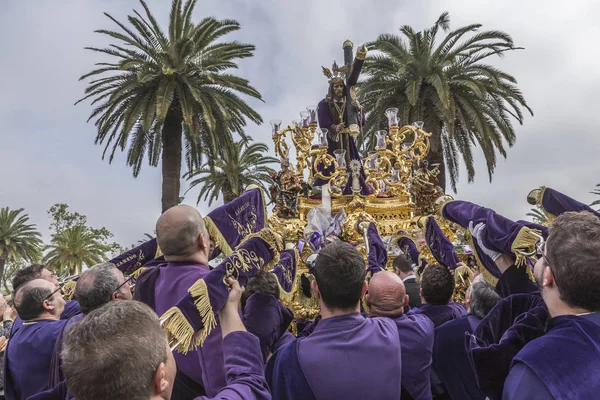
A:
(478, 232)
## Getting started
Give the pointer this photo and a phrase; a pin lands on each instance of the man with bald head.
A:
(387, 298)
(29, 351)
(185, 244)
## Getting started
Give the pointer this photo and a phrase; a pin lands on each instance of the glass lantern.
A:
(392, 116)
(275, 126)
(321, 137)
(312, 114)
(340, 157)
(372, 161)
(381, 143)
(304, 117)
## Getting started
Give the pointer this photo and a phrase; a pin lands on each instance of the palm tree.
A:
(240, 166)
(161, 89)
(462, 101)
(538, 215)
(73, 248)
(596, 191)
(19, 240)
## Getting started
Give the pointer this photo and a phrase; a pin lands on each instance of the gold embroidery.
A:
(244, 260)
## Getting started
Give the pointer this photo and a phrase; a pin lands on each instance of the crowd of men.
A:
(518, 340)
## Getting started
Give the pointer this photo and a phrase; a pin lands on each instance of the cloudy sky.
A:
(47, 154)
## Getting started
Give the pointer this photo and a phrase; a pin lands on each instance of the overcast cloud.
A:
(47, 153)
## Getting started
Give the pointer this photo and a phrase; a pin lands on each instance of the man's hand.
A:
(3, 343)
(339, 127)
(235, 294)
(478, 231)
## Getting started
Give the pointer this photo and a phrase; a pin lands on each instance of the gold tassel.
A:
(136, 274)
(286, 296)
(524, 243)
(158, 252)
(179, 331)
(69, 290)
(199, 292)
(216, 235)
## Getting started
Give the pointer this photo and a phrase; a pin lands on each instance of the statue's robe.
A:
(416, 334)
(439, 314)
(27, 358)
(451, 362)
(561, 364)
(345, 357)
(71, 309)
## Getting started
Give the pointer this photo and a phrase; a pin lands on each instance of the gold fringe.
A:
(179, 331)
(199, 291)
(524, 243)
(136, 274)
(286, 296)
(216, 235)
(158, 251)
(364, 304)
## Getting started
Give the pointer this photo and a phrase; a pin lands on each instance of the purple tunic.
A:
(56, 374)
(28, 356)
(450, 359)
(352, 357)
(416, 334)
(564, 362)
(244, 369)
(441, 313)
(204, 365)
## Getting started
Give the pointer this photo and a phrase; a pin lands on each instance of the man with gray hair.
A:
(453, 372)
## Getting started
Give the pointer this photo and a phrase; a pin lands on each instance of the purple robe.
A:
(563, 363)
(416, 334)
(267, 319)
(439, 314)
(71, 309)
(56, 375)
(515, 280)
(58, 392)
(205, 364)
(244, 369)
(451, 362)
(345, 357)
(28, 356)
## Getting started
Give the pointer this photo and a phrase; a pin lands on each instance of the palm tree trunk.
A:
(2, 264)
(171, 158)
(436, 152)
(228, 195)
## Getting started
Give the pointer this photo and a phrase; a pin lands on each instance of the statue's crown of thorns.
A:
(335, 74)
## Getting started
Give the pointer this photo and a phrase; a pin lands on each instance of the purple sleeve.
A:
(71, 308)
(244, 369)
(325, 121)
(522, 383)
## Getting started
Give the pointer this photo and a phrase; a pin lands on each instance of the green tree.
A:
(240, 165)
(73, 248)
(596, 192)
(462, 101)
(538, 215)
(10, 269)
(19, 240)
(163, 92)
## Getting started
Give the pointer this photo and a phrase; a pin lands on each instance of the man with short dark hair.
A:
(450, 360)
(404, 269)
(437, 286)
(29, 351)
(141, 365)
(346, 356)
(185, 244)
(564, 362)
(387, 298)
(39, 271)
